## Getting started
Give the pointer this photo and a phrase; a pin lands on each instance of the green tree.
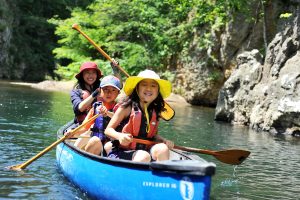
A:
(33, 37)
(140, 34)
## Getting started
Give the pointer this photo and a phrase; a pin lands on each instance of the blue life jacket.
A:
(98, 128)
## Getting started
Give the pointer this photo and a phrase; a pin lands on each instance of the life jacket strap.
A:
(95, 129)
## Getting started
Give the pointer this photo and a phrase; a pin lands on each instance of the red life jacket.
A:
(134, 125)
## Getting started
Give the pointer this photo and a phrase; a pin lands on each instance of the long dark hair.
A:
(157, 104)
(81, 84)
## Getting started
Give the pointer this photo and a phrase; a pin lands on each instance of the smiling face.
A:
(148, 90)
(109, 93)
(89, 76)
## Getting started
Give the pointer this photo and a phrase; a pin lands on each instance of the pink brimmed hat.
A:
(89, 65)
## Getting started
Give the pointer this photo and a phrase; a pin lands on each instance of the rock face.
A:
(200, 78)
(264, 93)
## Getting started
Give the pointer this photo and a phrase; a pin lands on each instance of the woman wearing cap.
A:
(140, 113)
(110, 87)
(86, 90)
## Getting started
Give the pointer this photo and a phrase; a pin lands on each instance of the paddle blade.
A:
(168, 113)
(232, 156)
(15, 167)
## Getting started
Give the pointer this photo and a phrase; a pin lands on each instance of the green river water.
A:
(30, 118)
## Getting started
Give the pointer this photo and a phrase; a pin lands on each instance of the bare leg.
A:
(160, 152)
(108, 147)
(81, 142)
(94, 146)
(141, 156)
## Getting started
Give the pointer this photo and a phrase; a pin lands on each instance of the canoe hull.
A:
(105, 178)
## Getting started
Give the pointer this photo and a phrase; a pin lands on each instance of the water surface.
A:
(29, 119)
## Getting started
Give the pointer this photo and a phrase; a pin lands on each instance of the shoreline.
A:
(67, 86)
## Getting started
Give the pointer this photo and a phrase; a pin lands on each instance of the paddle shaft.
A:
(76, 27)
(25, 164)
(230, 156)
(190, 149)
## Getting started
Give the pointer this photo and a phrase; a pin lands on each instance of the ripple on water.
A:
(9, 131)
(14, 124)
(3, 119)
(22, 186)
(229, 183)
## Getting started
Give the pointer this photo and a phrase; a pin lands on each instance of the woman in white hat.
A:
(140, 114)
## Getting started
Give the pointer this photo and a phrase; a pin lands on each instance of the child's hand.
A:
(102, 110)
(125, 139)
(114, 63)
(68, 134)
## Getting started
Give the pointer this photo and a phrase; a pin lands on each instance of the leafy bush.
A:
(139, 34)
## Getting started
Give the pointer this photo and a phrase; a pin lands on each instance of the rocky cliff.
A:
(263, 92)
(200, 78)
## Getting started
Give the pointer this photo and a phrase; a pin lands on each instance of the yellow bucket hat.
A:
(165, 87)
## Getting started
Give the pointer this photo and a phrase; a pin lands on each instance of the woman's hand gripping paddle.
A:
(229, 156)
(71, 133)
(167, 114)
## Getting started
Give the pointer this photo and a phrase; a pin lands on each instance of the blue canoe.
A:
(186, 176)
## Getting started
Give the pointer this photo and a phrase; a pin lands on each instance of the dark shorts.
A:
(121, 154)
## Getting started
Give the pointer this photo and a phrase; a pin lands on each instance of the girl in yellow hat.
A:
(139, 116)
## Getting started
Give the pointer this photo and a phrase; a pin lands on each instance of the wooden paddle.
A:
(167, 114)
(73, 132)
(229, 156)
